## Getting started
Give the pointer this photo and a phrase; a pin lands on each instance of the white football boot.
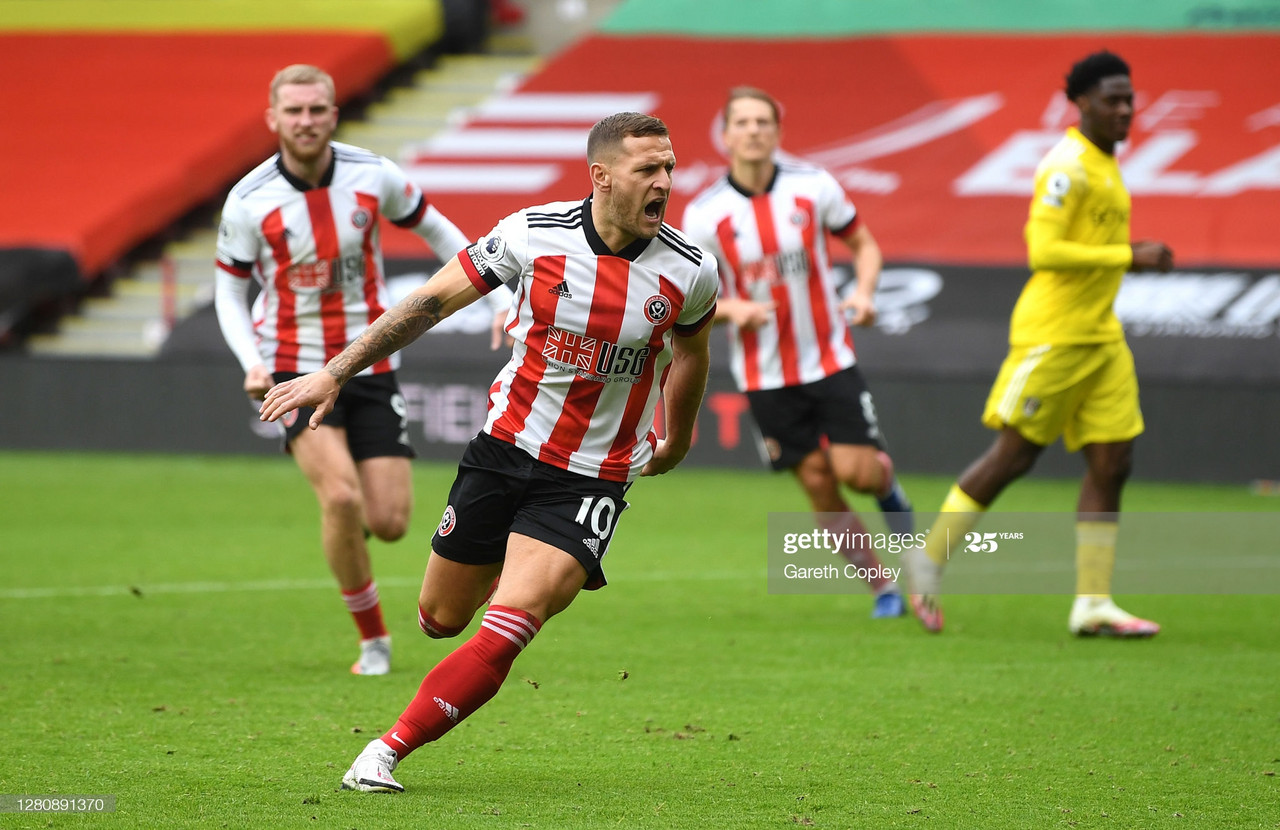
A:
(375, 656)
(1099, 616)
(924, 578)
(371, 770)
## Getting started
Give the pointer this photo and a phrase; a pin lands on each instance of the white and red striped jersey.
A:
(593, 332)
(772, 247)
(315, 254)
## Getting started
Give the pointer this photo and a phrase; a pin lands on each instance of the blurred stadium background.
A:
(126, 121)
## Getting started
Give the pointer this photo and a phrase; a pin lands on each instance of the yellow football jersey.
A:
(1077, 246)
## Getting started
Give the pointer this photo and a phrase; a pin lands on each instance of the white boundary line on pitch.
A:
(145, 589)
(184, 588)
(1266, 564)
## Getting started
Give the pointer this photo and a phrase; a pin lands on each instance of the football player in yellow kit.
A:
(1069, 372)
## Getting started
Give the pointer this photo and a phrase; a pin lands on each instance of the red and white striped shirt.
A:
(315, 254)
(592, 334)
(772, 247)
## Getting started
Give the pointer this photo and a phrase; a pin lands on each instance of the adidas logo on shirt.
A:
(561, 290)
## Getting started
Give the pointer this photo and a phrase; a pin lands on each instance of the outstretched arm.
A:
(446, 292)
(681, 399)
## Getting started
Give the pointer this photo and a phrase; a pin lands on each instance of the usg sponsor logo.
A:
(773, 269)
(326, 274)
(594, 358)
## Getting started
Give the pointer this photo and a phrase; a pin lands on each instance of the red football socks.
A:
(850, 527)
(465, 680)
(367, 610)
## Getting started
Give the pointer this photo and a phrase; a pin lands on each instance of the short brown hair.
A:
(739, 92)
(608, 132)
(301, 73)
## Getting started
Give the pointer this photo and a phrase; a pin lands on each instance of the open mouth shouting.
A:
(655, 209)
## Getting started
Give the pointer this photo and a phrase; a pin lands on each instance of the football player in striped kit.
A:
(304, 224)
(767, 222)
(611, 314)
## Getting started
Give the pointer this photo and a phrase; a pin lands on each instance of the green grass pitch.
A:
(172, 638)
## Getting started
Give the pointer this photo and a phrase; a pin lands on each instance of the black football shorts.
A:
(372, 410)
(501, 489)
(796, 420)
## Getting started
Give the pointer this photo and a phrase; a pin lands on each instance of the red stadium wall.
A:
(110, 138)
(935, 137)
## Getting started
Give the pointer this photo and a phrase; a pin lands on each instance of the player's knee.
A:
(341, 500)
(1009, 464)
(1124, 468)
(439, 626)
(862, 474)
(864, 478)
(389, 528)
(1115, 467)
(815, 474)
(1019, 465)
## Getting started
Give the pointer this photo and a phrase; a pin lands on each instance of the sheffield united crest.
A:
(447, 521)
(657, 309)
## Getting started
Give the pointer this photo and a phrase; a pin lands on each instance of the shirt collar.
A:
(299, 184)
(631, 252)
(736, 185)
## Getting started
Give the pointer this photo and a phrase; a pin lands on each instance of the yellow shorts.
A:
(1087, 394)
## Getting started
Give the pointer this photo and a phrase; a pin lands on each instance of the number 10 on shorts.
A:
(597, 514)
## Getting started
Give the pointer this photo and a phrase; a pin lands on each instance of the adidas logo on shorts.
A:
(593, 545)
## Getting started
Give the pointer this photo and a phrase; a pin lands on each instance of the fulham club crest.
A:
(447, 521)
(657, 309)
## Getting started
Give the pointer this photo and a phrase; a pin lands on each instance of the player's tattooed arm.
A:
(446, 292)
(402, 324)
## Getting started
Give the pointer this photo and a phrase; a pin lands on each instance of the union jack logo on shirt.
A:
(575, 350)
